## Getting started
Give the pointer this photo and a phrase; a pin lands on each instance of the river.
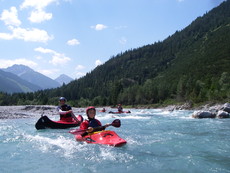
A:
(157, 141)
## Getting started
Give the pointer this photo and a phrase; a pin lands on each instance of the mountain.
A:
(32, 76)
(63, 79)
(190, 65)
(11, 83)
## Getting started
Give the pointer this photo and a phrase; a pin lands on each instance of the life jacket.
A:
(94, 123)
(65, 117)
(90, 123)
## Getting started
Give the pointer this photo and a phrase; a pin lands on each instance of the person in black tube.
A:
(65, 111)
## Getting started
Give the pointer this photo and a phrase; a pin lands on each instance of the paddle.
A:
(74, 116)
(116, 123)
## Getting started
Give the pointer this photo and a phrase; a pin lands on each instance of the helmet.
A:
(62, 98)
(89, 108)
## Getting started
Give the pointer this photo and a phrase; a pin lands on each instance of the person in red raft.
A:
(92, 124)
(65, 111)
(103, 110)
(119, 108)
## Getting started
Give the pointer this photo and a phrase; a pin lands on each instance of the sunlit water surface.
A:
(157, 141)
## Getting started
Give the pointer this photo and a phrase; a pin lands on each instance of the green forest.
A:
(192, 65)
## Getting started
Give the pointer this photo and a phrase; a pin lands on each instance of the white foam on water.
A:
(148, 111)
(186, 117)
(163, 113)
(142, 141)
(168, 142)
(134, 117)
(9, 133)
(121, 116)
(11, 139)
(104, 116)
(132, 141)
(60, 144)
(113, 155)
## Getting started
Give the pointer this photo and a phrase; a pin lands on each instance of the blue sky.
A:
(72, 37)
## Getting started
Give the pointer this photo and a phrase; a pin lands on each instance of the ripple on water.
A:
(156, 142)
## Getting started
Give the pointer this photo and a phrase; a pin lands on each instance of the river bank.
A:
(27, 111)
(13, 112)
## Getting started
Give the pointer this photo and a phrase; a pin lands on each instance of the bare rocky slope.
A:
(12, 112)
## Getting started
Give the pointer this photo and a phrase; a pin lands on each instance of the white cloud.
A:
(10, 17)
(99, 27)
(6, 36)
(37, 4)
(4, 63)
(77, 72)
(123, 40)
(80, 67)
(73, 42)
(33, 35)
(57, 58)
(80, 74)
(39, 16)
(49, 72)
(98, 62)
(39, 57)
(43, 50)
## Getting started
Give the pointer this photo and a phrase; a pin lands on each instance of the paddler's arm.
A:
(95, 129)
(68, 112)
(61, 112)
(89, 130)
(100, 128)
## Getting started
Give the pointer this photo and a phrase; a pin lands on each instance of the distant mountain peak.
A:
(32, 76)
(19, 69)
(63, 79)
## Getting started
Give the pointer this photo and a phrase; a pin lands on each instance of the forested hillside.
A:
(11, 83)
(191, 65)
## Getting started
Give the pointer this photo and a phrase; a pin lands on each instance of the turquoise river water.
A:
(157, 141)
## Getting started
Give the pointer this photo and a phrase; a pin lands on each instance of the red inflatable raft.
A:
(105, 137)
(122, 112)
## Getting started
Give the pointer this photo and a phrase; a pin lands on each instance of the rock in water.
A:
(203, 114)
(223, 114)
